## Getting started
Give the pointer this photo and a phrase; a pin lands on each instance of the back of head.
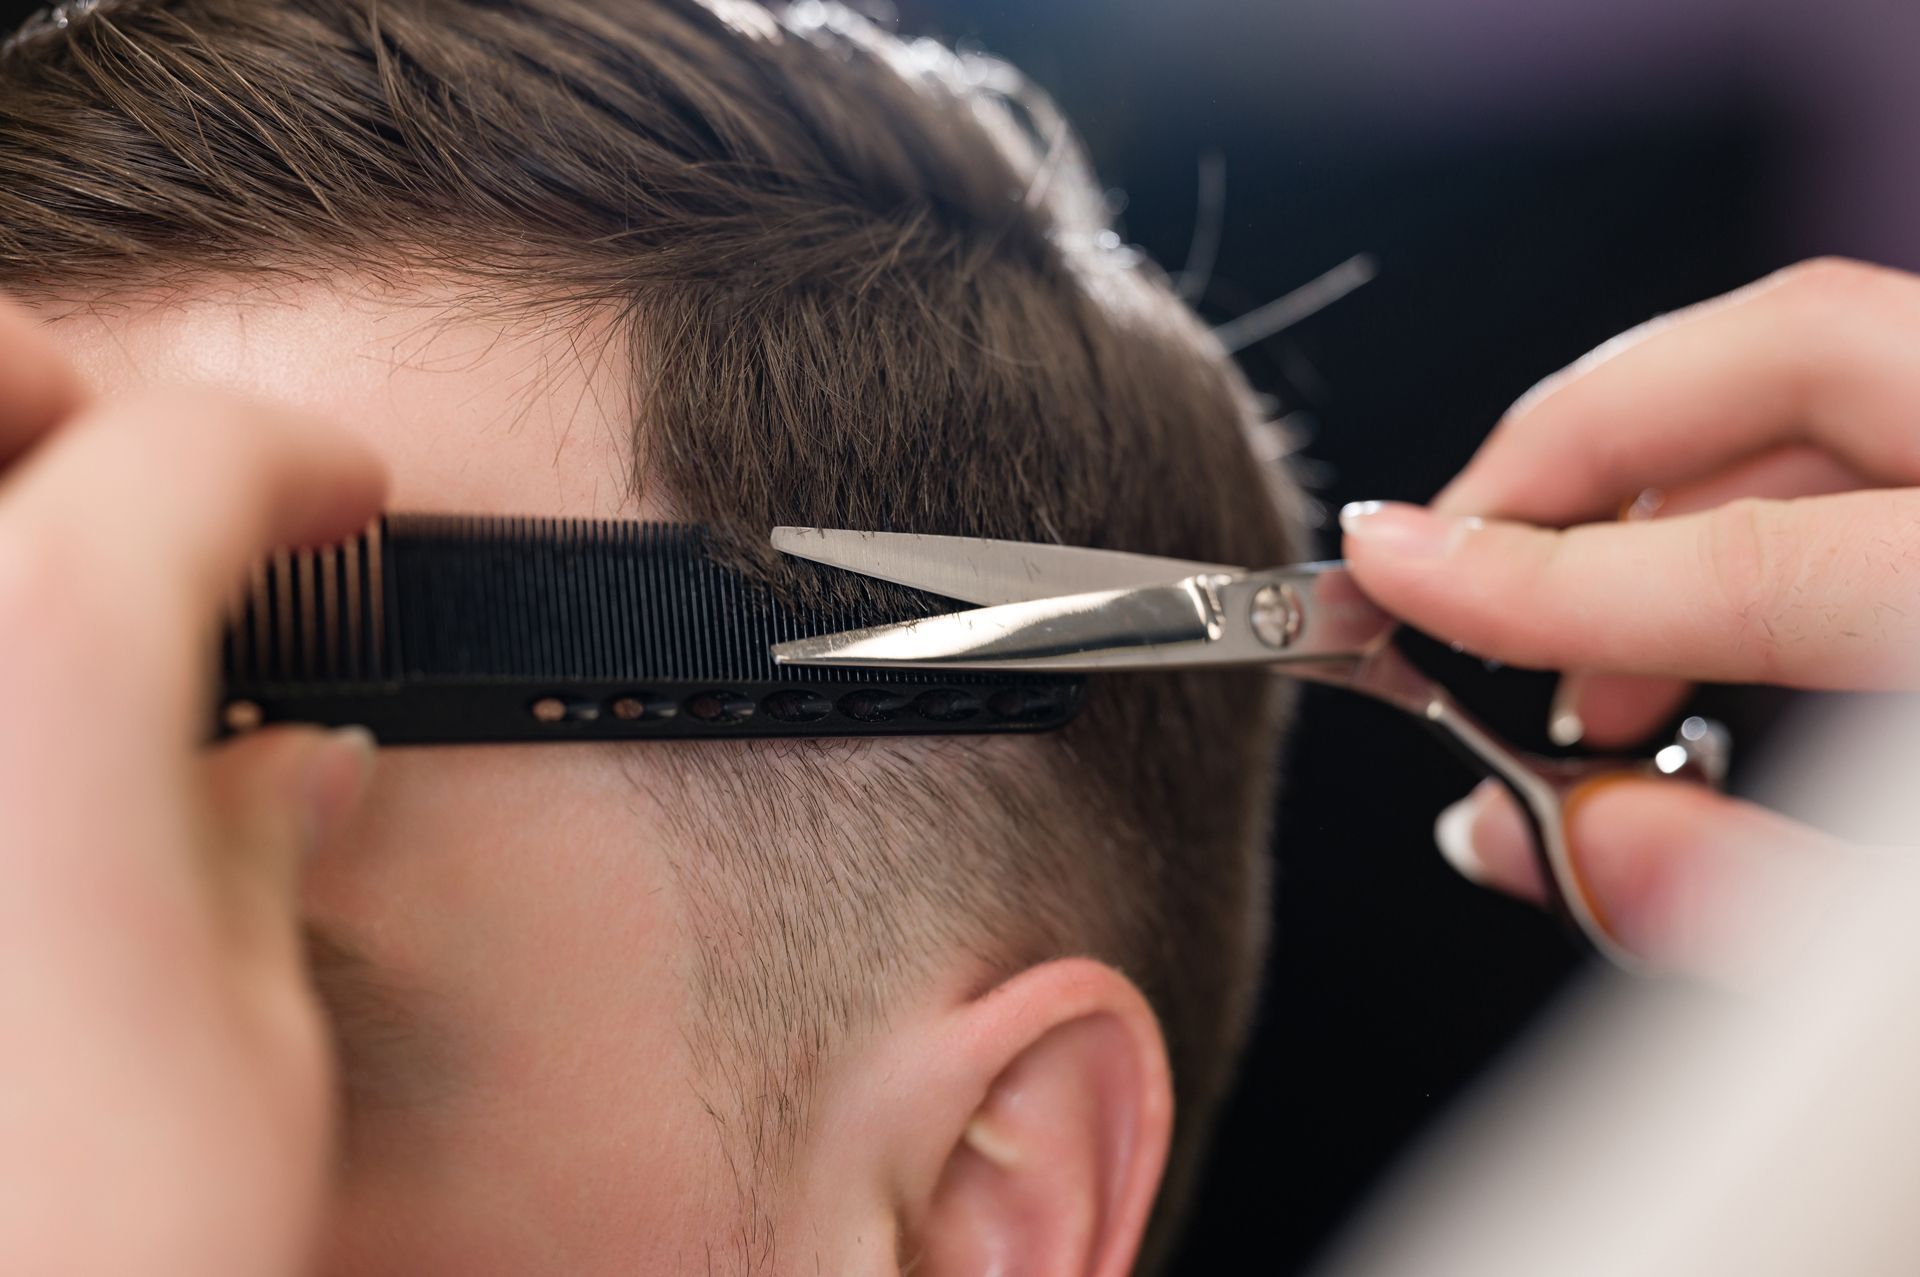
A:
(869, 285)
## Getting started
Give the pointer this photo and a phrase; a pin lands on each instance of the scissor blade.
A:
(1127, 629)
(979, 570)
(1307, 616)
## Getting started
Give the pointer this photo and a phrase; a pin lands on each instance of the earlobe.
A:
(1054, 1171)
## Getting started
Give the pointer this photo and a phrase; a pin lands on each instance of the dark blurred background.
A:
(1531, 177)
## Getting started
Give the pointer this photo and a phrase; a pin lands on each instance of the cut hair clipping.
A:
(445, 630)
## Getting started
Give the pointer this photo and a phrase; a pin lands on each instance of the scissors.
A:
(1064, 609)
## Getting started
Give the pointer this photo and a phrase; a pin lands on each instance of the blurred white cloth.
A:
(1680, 1131)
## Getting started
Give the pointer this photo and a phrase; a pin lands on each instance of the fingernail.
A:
(336, 780)
(1453, 832)
(1565, 727)
(1644, 506)
(1401, 529)
(1488, 842)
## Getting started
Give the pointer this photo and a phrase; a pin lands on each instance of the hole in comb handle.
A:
(797, 706)
(870, 705)
(240, 717)
(641, 707)
(947, 705)
(720, 708)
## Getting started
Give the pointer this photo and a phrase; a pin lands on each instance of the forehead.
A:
(478, 408)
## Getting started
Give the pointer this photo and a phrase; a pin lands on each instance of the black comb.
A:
(439, 629)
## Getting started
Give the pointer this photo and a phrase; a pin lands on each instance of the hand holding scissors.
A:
(1063, 609)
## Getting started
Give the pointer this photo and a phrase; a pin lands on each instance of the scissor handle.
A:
(1547, 790)
(1544, 787)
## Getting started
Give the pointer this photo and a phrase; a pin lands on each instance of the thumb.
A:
(275, 796)
(1678, 874)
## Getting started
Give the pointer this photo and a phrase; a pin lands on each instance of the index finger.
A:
(139, 520)
(1815, 592)
(1819, 354)
(38, 389)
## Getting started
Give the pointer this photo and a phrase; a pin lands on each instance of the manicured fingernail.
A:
(1453, 832)
(1487, 841)
(336, 780)
(1644, 506)
(1401, 529)
(1565, 727)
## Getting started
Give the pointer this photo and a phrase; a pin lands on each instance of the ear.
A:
(1052, 1171)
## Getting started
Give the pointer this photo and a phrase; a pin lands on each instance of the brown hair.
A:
(873, 287)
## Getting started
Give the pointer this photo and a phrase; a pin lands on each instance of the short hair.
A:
(872, 285)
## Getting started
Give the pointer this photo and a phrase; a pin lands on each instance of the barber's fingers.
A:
(275, 798)
(1608, 711)
(38, 390)
(123, 535)
(1779, 474)
(265, 804)
(1671, 868)
(1821, 354)
(1821, 592)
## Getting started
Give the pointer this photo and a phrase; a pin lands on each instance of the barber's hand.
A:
(1780, 428)
(165, 1082)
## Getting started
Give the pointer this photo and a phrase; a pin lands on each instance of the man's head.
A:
(710, 1006)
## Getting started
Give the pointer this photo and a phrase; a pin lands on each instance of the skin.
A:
(504, 939)
(132, 865)
(1778, 426)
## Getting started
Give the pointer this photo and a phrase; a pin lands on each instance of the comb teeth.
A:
(313, 616)
(583, 600)
(430, 628)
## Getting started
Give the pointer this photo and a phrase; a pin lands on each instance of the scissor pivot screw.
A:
(1276, 615)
